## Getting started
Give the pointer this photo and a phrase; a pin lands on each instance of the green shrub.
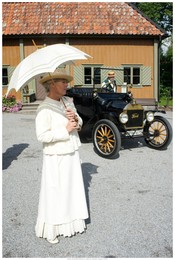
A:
(9, 104)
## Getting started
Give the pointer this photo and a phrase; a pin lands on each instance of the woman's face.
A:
(58, 88)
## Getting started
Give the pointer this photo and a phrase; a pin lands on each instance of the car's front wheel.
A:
(106, 138)
(159, 133)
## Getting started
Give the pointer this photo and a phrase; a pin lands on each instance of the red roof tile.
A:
(111, 18)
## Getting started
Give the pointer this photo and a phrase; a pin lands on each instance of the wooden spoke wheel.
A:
(159, 133)
(106, 138)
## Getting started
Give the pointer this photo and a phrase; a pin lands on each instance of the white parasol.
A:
(43, 60)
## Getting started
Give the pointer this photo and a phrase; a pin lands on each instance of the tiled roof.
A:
(78, 18)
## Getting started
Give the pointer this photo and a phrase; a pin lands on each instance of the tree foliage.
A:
(162, 14)
(159, 12)
(166, 72)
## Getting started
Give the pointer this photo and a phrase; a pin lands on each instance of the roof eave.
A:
(162, 36)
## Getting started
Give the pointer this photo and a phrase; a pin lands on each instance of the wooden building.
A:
(115, 34)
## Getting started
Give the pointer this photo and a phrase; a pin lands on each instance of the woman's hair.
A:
(46, 85)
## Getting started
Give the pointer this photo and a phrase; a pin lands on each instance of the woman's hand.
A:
(72, 125)
(73, 121)
(70, 114)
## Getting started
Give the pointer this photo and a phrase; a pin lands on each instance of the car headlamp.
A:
(149, 116)
(123, 118)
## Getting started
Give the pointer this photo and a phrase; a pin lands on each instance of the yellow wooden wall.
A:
(109, 52)
(11, 56)
(115, 52)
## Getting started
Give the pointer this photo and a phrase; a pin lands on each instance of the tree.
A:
(166, 72)
(162, 15)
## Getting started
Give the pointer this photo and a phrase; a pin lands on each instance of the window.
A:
(132, 75)
(87, 75)
(92, 75)
(5, 76)
(127, 75)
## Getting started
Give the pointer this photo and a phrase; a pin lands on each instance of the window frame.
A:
(6, 76)
(91, 75)
(131, 67)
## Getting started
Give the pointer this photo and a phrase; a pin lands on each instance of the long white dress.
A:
(62, 203)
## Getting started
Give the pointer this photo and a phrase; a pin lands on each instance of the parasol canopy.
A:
(43, 60)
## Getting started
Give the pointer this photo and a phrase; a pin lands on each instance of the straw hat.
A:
(111, 74)
(57, 74)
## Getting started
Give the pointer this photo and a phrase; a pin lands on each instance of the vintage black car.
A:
(109, 117)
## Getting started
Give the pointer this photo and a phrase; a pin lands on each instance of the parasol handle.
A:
(35, 44)
(63, 103)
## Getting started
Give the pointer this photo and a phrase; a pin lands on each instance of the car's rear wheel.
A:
(106, 138)
(159, 133)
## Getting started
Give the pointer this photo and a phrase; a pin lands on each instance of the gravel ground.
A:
(129, 199)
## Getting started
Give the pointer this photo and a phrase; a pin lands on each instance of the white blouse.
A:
(51, 129)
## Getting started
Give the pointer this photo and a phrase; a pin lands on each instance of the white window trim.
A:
(92, 66)
(134, 66)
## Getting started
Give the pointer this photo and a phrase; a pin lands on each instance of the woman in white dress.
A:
(62, 203)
